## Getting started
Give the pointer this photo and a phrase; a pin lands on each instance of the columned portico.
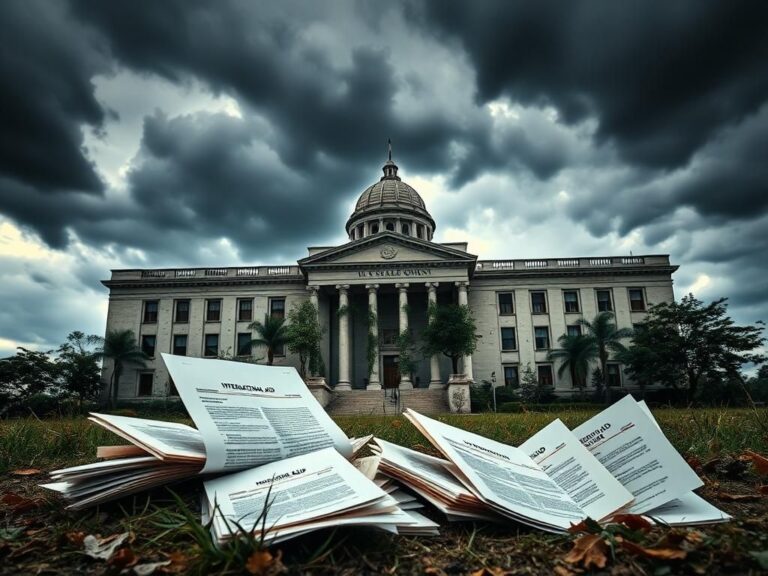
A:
(343, 382)
(402, 289)
(374, 382)
(466, 361)
(434, 361)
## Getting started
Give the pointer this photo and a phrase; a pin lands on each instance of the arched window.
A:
(374, 228)
(406, 229)
(419, 231)
(390, 226)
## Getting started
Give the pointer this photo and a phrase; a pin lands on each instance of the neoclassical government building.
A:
(392, 267)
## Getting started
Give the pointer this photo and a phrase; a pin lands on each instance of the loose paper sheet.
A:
(250, 414)
(630, 445)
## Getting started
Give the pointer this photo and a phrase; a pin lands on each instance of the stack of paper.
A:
(287, 461)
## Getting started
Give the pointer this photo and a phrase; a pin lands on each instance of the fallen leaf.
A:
(711, 465)
(633, 522)
(19, 503)
(759, 462)
(763, 489)
(587, 525)
(26, 472)
(103, 548)
(694, 537)
(736, 497)
(588, 550)
(263, 562)
(693, 462)
(653, 553)
(75, 538)
(149, 567)
(123, 558)
(561, 570)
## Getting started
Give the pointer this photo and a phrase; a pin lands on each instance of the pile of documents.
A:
(618, 462)
(277, 462)
(274, 463)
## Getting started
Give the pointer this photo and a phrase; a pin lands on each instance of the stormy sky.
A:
(181, 133)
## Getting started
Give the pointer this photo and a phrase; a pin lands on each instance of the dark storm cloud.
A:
(46, 67)
(661, 77)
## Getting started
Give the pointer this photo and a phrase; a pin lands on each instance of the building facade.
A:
(392, 269)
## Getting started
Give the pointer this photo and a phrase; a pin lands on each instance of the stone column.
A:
(313, 299)
(374, 383)
(434, 361)
(405, 379)
(413, 228)
(343, 382)
(467, 360)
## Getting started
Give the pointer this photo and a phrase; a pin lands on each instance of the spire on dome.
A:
(390, 168)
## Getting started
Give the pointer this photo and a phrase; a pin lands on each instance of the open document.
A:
(502, 476)
(293, 496)
(634, 450)
(591, 486)
(250, 414)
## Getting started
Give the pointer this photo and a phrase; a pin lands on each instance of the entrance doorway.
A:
(391, 371)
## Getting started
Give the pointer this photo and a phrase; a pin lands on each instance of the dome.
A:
(390, 204)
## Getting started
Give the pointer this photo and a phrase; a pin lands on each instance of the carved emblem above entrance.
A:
(388, 252)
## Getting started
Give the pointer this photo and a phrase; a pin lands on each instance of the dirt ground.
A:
(37, 536)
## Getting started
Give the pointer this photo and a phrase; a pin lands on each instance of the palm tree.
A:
(576, 353)
(272, 334)
(121, 347)
(607, 339)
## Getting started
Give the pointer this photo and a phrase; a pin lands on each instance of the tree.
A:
(272, 334)
(529, 385)
(575, 353)
(607, 339)
(450, 331)
(78, 364)
(25, 374)
(303, 334)
(695, 342)
(121, 348)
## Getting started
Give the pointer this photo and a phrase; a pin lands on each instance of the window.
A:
(541, 334)
(146, 379)
(406, 229)
(244, 344)
(277, 307)
(211, 345)
(150, 312)
(213, 310)
(545, 375)
(390, 226)
(538, 302)
(508, 340)
(419, 231)
(181, 314)
(374, 228)
(511, 376)
(636, 300)
(604, 303)
(573, 330)
(148, 344)
(614, 374)
(245, 310)
(180, 344)
(506, 307)
(571, 301)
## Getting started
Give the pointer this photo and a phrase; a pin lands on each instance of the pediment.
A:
(385, 249)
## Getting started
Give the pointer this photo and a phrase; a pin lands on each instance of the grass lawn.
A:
(38, 536)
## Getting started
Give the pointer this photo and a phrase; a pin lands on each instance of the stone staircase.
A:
(383, 402)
